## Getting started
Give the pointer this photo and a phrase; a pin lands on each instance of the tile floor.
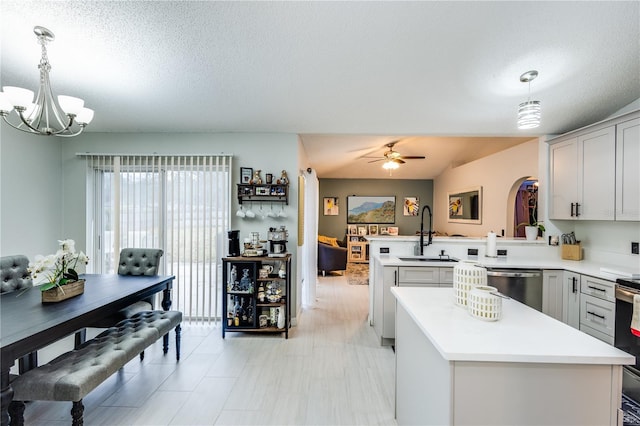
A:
(331, 371)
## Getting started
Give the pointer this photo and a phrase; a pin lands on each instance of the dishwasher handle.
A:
(513, 273)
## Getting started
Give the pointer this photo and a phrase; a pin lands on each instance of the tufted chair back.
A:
(139, 261)
(14, 273)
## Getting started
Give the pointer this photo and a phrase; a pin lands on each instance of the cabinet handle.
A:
(572, 204)
(602, 317)
(575, 286)
(577, 209)
(596, 288)
(395, 278)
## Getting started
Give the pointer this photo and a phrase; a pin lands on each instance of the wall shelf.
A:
(275, 193)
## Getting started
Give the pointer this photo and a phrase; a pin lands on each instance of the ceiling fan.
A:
(390, 155)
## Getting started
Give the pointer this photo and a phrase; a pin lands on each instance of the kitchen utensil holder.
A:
(572, 251)
(483, 305)
(467, 275)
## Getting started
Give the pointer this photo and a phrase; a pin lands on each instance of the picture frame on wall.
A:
(246, 173)
(373, 229)
(362, 230)
(371, 209)
(411, 206)
(352, 230)
(384, 230)
(330, 206)
(393, 230)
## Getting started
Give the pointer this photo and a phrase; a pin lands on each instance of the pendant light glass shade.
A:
(529, 112)
(529, 115)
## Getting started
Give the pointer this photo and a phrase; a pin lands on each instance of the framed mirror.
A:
(465, 206)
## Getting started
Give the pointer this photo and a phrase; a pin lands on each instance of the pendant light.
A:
(529, 112)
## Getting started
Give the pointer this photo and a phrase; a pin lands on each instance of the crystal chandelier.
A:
(529, 112)
(66, 118)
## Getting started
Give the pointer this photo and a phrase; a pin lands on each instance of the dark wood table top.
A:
(27, 324)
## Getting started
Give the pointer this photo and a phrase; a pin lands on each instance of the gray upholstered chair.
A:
(133, 261)
(138, 261)
(14, 273)
(15, 276)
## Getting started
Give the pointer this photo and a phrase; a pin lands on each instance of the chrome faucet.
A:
(429, 240)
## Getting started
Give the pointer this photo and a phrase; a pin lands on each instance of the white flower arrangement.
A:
(59, 268)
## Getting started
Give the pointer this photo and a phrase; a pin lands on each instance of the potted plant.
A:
(531, 229)
(61, 278)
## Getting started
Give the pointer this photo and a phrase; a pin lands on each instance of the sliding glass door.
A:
(180, 204)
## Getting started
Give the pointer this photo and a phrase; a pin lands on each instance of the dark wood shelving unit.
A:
(275, 193)
(246, 288)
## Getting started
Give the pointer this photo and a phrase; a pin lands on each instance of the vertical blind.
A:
(180, 204)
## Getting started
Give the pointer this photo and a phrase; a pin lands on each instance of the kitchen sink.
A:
(428, 259)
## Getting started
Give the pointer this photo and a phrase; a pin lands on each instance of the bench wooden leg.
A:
(178, 333)
(165, 343)
(77, 412)
(141, 356)
(16, 412)
(80, 338)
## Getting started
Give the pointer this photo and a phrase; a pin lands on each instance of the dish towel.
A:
(635, 318)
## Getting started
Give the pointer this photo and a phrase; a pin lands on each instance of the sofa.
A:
(331, 256)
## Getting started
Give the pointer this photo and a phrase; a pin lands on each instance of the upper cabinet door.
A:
(564, 179)
(627, 170)
(597, 174)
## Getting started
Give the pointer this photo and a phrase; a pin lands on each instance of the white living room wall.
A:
(496, 174)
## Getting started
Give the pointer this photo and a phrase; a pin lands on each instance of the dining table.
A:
(27, 324)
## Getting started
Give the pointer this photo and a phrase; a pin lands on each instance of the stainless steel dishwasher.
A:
(523, 285)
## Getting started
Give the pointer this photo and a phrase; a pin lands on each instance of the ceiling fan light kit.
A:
(393, 159)
(529, 111)
(66, 118)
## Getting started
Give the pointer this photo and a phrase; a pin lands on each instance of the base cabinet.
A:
(571, 299)
(255, 297)
(401, 276)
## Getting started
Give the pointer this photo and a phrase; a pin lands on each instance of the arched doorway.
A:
(525, 207)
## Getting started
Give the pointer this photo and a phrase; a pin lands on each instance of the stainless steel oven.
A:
(628, 342)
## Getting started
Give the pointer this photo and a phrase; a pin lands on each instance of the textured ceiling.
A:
(387, 70)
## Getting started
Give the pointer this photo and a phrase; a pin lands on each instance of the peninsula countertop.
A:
(522, 335)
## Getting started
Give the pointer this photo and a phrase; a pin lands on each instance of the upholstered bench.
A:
(72, 375)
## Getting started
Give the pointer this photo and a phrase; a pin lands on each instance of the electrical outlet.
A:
(634, 248)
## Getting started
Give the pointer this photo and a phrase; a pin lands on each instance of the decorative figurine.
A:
(233, 277)
(284, 179)
(257, 179)
(245, 281)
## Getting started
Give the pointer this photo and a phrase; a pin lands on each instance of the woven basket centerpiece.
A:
(60, 293)
(484, 304)
(467, 275)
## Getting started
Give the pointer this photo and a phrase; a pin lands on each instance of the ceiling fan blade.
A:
(375, 161)
(413, 157)
(398, 160)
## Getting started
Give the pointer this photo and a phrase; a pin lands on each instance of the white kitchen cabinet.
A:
(594, 174)
(571, 299)
(583, 176)
(563, 184)
(597, 308)
(627, 170)
(402, 276)
(552, 293)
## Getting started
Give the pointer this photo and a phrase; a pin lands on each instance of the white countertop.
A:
(522, 335)
(583, 267)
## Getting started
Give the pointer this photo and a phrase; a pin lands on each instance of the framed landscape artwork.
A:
(371, 209)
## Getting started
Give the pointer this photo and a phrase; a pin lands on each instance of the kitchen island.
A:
(526, 369)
